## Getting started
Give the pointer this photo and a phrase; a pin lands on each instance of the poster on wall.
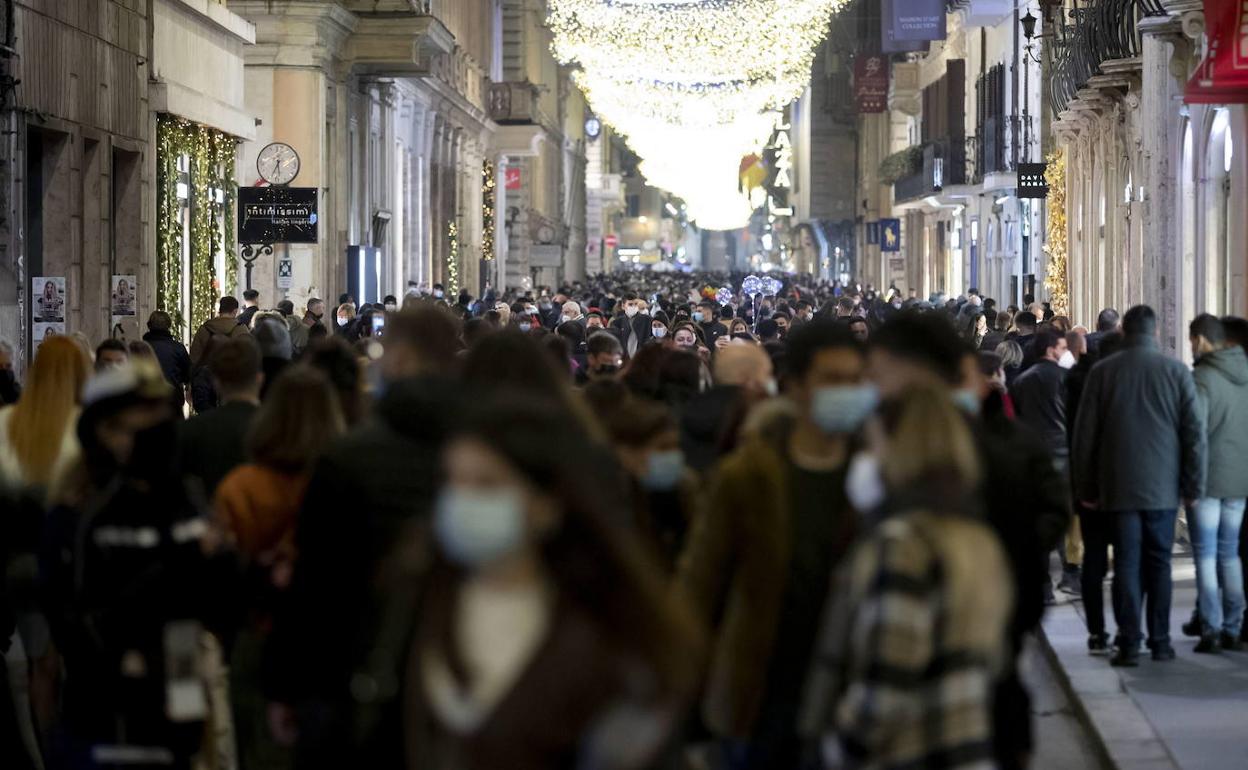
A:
(47, 308)
(125, 287)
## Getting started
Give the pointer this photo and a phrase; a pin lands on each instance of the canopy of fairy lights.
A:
(693, 85)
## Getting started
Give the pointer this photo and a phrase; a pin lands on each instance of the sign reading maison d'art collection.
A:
(277, 215)
(917, 20)
(871, 83)
(889, 40)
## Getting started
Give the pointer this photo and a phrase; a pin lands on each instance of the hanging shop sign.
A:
(512, 178)
(890, 235)
(277, 215)
(871, 83)
(1031, 180)
(917, 20)
(889, 40)
(1222, 78)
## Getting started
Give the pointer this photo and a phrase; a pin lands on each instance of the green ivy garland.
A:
(212, 155)
(452, 260)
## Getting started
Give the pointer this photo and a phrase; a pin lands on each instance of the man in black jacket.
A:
(366, 495)
(175, 362)
(212, 443)
(632, 328)
(1040, 401)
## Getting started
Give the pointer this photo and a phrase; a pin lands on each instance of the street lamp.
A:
(1029, 25)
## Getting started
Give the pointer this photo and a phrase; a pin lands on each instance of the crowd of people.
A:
(641, 521)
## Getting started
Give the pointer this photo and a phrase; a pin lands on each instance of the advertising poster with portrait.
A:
(47, 308)
(122, 300)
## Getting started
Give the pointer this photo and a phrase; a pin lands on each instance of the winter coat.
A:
(212, 443)
(210, 333)
(1139, 440)
(175, 362)
(1040, 400)
(1222, 393)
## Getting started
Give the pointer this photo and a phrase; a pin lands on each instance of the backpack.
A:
(203, 391)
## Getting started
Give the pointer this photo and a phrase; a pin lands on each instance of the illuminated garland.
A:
(212, 155)
(452, 260)
(1056, 276)
(488, 181)
(692, 85)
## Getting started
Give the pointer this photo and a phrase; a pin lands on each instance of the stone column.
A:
(1166, 51)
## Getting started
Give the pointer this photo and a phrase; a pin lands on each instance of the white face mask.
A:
(342, 321)
(437, 293)
(475, 527)
(664, 470)
(771, 388)
(1067, 361)
(391, 307)
(863, 485)
(630, 311)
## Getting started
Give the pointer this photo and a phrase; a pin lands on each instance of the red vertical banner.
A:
(871, 82)
(1222, 78)
(512, 178)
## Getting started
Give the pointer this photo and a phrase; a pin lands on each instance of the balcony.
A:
(1103, 31)
(944, 165)
(514, 103)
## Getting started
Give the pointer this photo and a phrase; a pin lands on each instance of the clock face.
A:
(278, 163)
(593, 127)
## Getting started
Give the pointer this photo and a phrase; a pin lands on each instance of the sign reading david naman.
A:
(277, 215)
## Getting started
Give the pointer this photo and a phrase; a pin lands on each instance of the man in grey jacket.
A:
(1221, 377)
(1139, 451)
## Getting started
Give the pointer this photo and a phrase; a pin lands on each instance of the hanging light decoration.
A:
(693, 85)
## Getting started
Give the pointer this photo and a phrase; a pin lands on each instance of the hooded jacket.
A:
(1222, 395)
(222, 327)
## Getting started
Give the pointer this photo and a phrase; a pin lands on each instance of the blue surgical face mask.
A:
(843, 408)
(968, 401)
(698, 316)
(525, 326)
(664, 470)
(475, 527)
(659, 332)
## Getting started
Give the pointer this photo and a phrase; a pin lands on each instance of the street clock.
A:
(278, 164)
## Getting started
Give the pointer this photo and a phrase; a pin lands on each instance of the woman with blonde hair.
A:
(923, 603)
(38, 438)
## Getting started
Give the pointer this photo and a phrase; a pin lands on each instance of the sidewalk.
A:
(1188, 714)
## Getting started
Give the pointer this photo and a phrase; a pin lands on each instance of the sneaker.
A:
(1070, 583)
(1098, 644)
(1163, 652)
(1125, 658)
(1208, 643)
(1231, 642)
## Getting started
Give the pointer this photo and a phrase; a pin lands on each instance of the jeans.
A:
(1215, 540)
(1098, 534)
(1142, 546)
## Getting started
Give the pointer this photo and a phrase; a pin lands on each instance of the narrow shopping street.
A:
(623, 384)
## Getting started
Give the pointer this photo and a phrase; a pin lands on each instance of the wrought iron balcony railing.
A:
(944, 165)
(1098, 31)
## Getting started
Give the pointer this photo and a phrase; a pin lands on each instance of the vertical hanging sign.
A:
(871, 83)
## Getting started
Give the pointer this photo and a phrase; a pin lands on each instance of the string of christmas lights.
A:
(1056, 277)
(692, 85)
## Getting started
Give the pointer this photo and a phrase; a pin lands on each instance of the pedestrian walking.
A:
(211, 333)
(1221, 377)
(1139, 452)
(212, 443)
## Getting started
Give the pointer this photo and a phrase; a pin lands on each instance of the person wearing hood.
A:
(1221, 377)
(276, 349)
(298, 331)
(384, 473)
(209, 335)
(136, 594)
(785, 496)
